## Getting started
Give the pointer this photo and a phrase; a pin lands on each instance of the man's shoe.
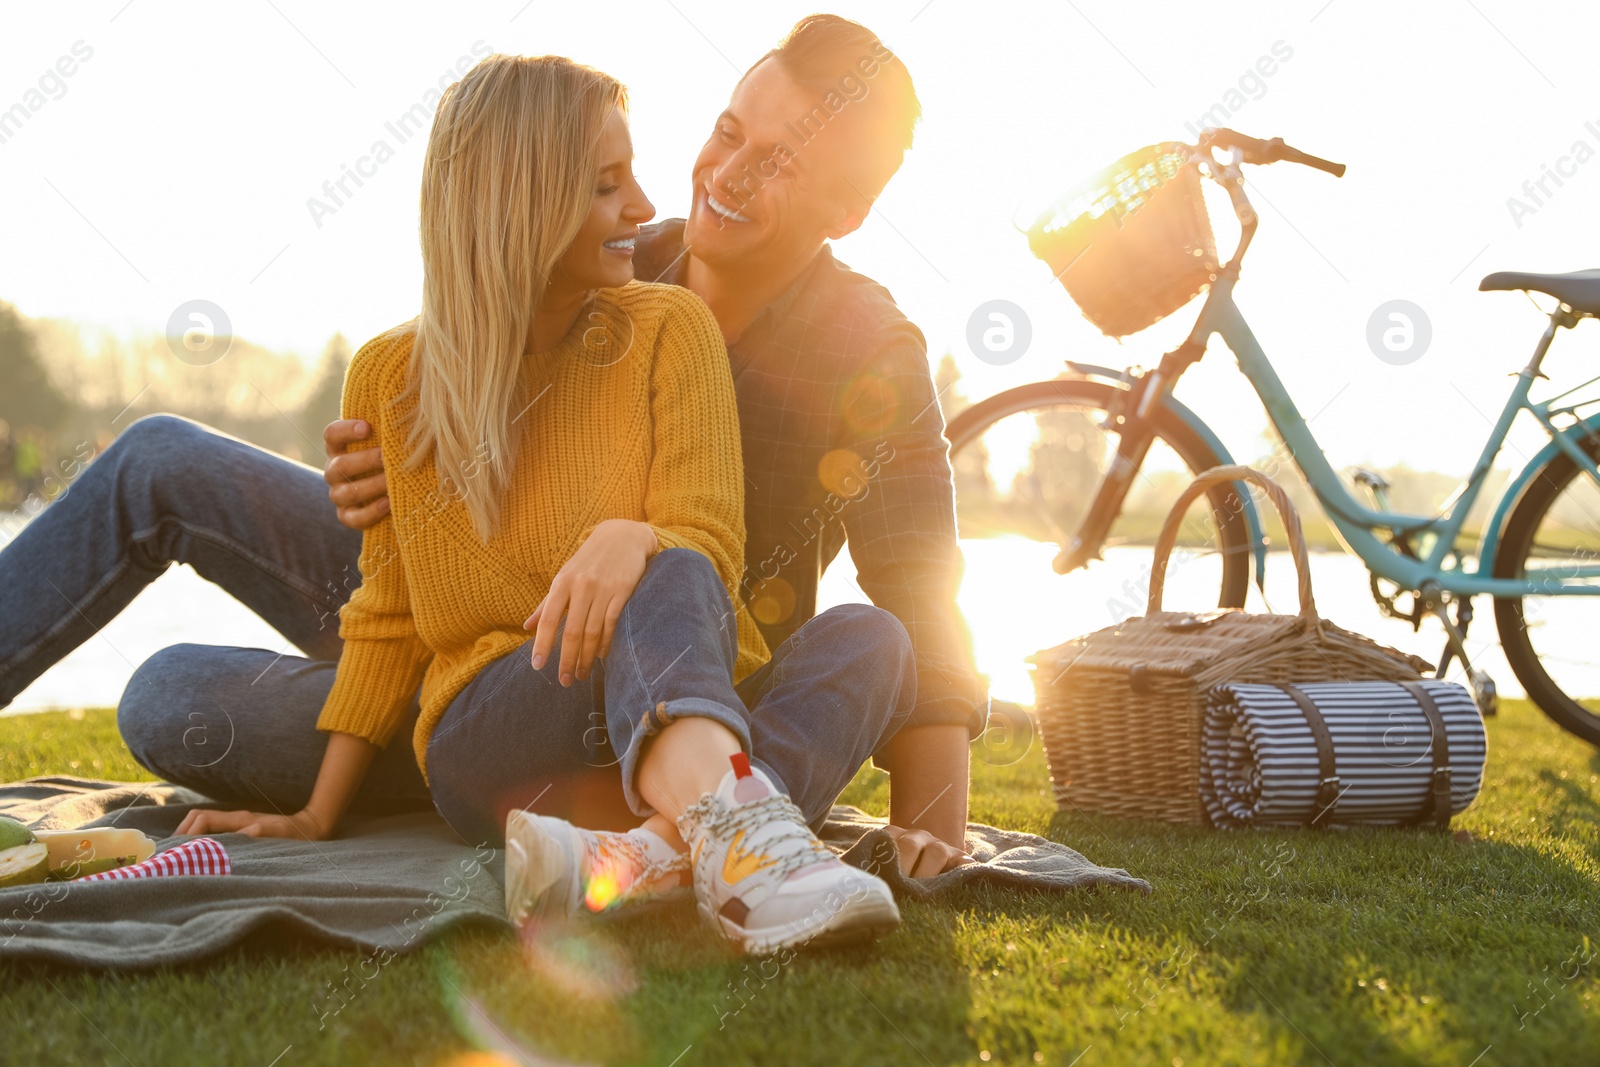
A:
(762, 877)
(555, 870)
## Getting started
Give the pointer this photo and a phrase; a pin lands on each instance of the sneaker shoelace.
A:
(713, 816)
(614, 853)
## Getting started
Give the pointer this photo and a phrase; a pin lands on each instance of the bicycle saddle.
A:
(1579, 290)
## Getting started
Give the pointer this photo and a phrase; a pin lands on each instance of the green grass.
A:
(1345, 948)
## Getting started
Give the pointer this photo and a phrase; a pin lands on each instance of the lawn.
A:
(1345, 948)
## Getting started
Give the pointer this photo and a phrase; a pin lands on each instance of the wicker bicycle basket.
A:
(1133, 245)
(1120, 710)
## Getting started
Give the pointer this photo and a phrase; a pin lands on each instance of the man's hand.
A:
(356, 482)
(591, 590)
(922, 855)
(302, 824)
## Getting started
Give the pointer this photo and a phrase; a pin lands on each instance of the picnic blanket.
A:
(387, 883)
(1259, 765)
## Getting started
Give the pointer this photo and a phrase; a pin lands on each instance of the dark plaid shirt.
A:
(844, 439)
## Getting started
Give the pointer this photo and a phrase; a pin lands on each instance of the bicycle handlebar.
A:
(1254, 150)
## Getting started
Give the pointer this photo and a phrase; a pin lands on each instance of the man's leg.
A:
(240, 726)
(832, 694)
(171, 491)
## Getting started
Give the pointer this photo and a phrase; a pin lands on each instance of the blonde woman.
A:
(565, 459)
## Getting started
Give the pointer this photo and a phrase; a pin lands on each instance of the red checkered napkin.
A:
(200, 856)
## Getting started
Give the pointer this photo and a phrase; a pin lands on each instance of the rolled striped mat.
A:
(1260, 763)
(200, 856)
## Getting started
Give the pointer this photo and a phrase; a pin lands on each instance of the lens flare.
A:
(772, 601)
(576, 976)
(602, 890)
(842, 473)
(480, 1059)
(870, 404)
(578, 959)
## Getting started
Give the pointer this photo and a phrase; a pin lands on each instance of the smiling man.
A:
(842, 434)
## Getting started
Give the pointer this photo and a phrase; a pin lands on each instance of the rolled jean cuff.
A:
(950, 711)
(657, 719)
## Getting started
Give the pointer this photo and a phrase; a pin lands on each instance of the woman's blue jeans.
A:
(240, 724)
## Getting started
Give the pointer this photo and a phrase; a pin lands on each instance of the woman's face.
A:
(601, 256)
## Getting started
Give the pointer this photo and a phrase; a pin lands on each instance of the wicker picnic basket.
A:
(1121, 710)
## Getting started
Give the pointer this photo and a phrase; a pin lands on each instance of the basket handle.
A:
(1286, 511)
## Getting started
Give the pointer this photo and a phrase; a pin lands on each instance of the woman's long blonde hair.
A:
(507, 183)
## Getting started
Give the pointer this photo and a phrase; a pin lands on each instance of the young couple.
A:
(598, 477)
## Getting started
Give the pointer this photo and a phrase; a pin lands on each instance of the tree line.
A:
(66, 392)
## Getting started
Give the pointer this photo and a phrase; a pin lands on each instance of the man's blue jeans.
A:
(240, 724)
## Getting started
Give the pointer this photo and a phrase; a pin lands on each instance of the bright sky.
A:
(176, 161)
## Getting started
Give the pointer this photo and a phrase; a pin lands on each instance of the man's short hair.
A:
(832, 55)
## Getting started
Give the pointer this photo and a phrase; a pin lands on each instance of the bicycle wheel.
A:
(1548, 640)
(1028, 462)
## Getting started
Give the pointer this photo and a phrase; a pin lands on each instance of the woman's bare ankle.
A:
(665, 829)
(683, 762)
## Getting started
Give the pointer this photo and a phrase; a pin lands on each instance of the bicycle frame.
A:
(1356, 522)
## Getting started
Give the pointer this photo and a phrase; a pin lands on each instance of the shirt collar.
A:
(669, 263)
(779, 309)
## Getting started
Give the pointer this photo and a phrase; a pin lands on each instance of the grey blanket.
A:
(388, 883)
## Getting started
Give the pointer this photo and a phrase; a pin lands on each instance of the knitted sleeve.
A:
(384, 659)
(695, 494)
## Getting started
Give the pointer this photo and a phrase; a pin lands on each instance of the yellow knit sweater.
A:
(633, 416)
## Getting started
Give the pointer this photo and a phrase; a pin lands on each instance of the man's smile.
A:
(724, 210)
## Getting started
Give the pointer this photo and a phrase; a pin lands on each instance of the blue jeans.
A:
(516, 738)
(240, 724)
(172, 491)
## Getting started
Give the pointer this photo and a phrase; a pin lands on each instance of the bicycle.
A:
(1542, 542)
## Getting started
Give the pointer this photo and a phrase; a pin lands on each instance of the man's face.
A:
(775, 179)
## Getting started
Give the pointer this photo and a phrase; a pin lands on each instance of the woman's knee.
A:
(156, 461)
(160, 710)
(682, 566)
(160, 442)
(678, 578)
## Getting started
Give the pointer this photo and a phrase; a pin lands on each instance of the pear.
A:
(24, 859)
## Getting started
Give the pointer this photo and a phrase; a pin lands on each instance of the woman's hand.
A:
(922, 855)
(301, 824)
(591, 591)
(344, 765)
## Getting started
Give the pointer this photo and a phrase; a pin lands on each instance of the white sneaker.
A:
(762, 877)
(555, 870)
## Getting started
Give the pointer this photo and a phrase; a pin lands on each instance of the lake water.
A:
(1014, 604)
